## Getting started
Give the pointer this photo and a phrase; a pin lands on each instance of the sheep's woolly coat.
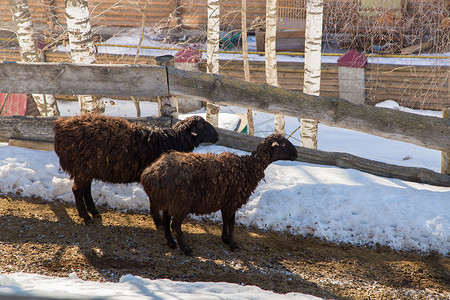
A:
(184, 183)
(114, 150)
(207, 189)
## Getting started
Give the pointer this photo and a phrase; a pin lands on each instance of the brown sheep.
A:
(114, 150)
(182, 183)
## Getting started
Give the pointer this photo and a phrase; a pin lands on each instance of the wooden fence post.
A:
(351, 73)
(445, 156)
(167, 105)
(188, 59)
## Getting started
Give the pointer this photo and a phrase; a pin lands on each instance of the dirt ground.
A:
(49, 238)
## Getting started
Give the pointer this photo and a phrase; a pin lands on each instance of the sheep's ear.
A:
(194, 130)
(274, 144)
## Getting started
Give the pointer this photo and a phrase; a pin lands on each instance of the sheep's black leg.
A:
(228, 230)
(225, 233)
(166, 224)
(231, 222)
(90, 202)
(156, 216)
(78, 192)
(176, 226)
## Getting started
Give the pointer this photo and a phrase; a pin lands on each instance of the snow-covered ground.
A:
(339, 205)
(132, 287)
(153, 47)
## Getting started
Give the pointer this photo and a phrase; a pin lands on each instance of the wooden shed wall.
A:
(338, 14)
(103, 12)
(192, 13)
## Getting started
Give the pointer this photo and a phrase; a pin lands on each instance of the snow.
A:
(152, 46)
(339, 205)
(131, 287)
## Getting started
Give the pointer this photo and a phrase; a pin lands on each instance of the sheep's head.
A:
(199, 129)
(277, 147)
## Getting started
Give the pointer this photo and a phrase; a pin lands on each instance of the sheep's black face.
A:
(282, 148)
(204, 132)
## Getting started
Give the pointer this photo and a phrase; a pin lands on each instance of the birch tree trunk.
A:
(313, 60)
(250, 125)
(445, 156)
(141, 38)
(20, 11)
(212, 54)
(82, 48)
(271, 55)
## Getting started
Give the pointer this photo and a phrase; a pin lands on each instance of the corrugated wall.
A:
(192, 13)
(103, 12)
(422, 87)
(338, 14)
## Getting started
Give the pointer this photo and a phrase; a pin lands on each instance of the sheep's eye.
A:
(283, 144)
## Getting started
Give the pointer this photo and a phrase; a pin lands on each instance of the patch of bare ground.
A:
(49, 238)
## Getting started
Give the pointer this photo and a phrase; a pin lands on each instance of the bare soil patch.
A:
(49, 238)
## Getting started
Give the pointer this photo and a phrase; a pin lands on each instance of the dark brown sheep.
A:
(113, 150)
(182, 183)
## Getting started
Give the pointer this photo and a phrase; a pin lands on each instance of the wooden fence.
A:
(139, 80)
(422, 87)
(52, 78)
(36, 133)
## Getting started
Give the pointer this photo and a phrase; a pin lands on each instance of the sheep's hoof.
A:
(187, 251)
(88, 222)
(172, 244)
(233, 246)
(230, 242)
(158, 224)
(158, 221)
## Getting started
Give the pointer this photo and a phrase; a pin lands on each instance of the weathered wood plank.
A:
(425, 131)
(39, 129)
(343, 160)
(133, 80)
(31, 144)
(26, 128)
(73, 79)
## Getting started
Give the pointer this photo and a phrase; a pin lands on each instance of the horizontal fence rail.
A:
(425, 131)
(39, 130)
(134, 80)
(420, 87)
(73, 79)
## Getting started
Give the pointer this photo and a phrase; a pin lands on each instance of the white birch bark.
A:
(313, 60)
(271, 55)
(82, 48)
(141, 38)
(46, 104)
(212, 54)
(250, 125)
